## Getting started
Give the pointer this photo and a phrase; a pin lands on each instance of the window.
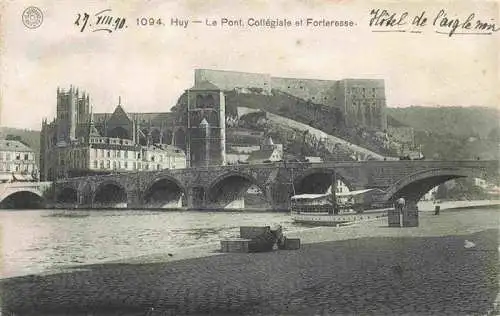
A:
(26, 157)
(114, 165)
(18, 156)
(152, 158)
(125, 165)
(146, 166)
(101, 164)
(108, 164)
(119, 165)
(95, 164)
(109, 154)
(134, 165)
(96, 153)
(139, 166)
(8, 167)
(8, 157)
(125, 154)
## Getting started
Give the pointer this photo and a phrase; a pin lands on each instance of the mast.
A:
(292, 183)
(334, 194)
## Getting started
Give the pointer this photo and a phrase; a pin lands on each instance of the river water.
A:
(42, 240)
(39, 241)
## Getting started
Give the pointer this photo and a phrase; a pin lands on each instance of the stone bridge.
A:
(216, 187)
(29, 195)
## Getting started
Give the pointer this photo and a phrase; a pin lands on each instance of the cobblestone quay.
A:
(369, 276)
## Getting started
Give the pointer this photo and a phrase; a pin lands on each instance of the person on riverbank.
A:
(400, 204)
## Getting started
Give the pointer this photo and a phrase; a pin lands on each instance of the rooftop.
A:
(13, 145)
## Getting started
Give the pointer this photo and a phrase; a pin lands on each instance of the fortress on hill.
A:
(361, 101)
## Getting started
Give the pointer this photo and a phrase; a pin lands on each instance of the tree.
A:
(16, 138)
(494, 134)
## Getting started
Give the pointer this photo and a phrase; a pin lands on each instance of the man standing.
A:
(400, 206)
(401, 203)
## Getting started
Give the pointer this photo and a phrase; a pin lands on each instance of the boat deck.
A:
(325, 219)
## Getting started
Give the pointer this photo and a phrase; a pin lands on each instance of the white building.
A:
(17, 161)
(268, 152)
(126, 156)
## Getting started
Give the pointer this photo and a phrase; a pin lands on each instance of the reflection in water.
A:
(36, 241)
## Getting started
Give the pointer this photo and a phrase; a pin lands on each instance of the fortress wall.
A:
(229, 80)
(317, 91)
(362, 101)
(365, 101)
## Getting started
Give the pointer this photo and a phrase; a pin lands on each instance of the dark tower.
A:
(72, 112)
(206, 125)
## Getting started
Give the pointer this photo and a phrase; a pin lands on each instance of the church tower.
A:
(72, 112)
(206, 126)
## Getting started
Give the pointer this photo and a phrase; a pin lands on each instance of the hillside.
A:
(320, 117)
(452, 133)
(302, 139)
(458, 121)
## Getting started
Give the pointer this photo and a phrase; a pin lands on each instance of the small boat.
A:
(335, 209)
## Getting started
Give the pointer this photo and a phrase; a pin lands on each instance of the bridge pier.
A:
(134, 200)
(196, 198)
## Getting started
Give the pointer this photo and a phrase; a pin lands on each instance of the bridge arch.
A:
(415, 185)
(23, 199)
(318, 180)
(231, 186)
(164, 191)
(110, 193)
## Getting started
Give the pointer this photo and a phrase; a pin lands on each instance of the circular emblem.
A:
(32, 17)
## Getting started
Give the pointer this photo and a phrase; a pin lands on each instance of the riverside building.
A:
(17, 162)
(74, 144)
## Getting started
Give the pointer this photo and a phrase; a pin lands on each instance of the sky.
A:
(151, 66)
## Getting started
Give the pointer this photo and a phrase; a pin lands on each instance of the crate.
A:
(234, 245)
(251, 232)
(393, 218)
(292, 244)
(410, 218)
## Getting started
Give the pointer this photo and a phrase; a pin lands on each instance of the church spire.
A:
(92, 129)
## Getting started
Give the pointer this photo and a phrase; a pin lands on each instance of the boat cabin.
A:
(353, 201)
(312, 203)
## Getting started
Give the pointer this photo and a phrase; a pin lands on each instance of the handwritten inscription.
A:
(101, 21)
(443, 23)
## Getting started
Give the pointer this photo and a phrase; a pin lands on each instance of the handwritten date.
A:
(101, 21)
